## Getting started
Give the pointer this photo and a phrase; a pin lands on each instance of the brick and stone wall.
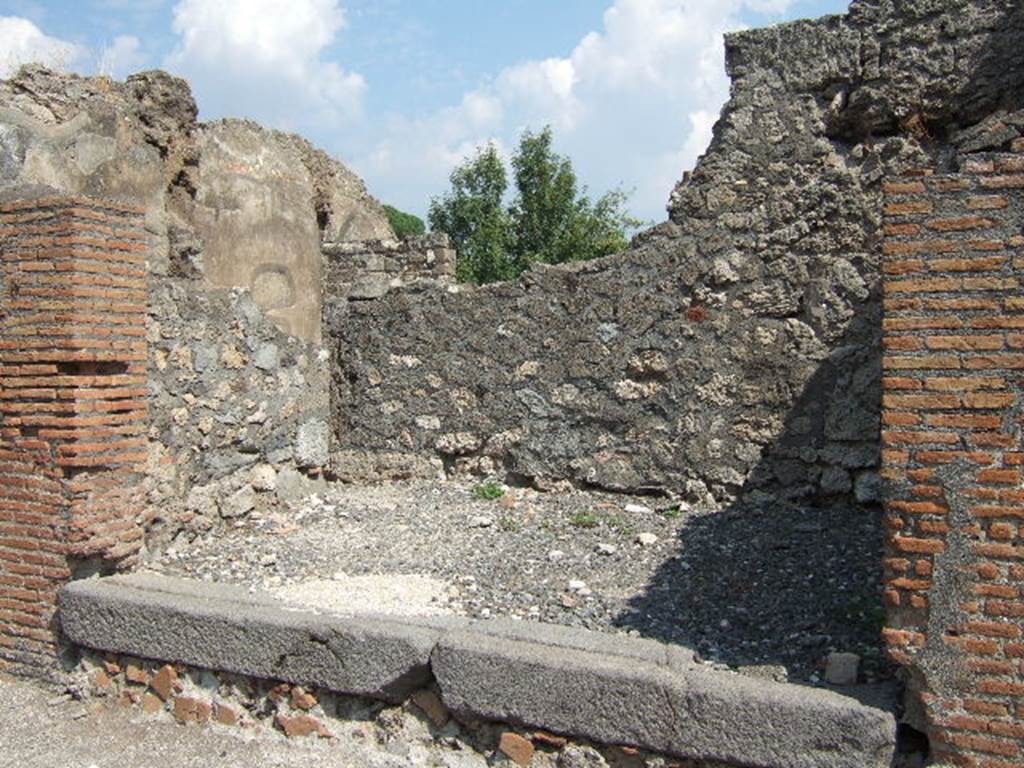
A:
(73, 408)
(952, 456)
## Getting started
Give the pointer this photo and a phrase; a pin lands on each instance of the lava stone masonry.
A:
(953, 368)
(73, 410)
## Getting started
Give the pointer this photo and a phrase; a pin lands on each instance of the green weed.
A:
(489, 491)
(585, 520)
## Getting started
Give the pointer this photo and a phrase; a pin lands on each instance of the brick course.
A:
(73, 390)
(952, 384)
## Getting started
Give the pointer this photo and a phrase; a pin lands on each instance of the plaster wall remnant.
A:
(73, 409)
(952, 454)
(235, 203)
(734, 349)
(253, 214)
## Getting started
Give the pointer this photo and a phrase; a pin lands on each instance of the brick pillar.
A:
(953, 373)
(72, 409)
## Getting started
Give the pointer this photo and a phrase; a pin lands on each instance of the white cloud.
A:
(264, 59)
(633, 103)
(122, 57)
(22, 42)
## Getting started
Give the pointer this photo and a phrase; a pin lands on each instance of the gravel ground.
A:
(764, 584)
(41, 729)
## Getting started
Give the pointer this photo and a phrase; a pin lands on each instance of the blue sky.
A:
(402, 89)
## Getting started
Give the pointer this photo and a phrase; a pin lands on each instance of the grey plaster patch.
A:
(267, 357)
(312, 447)
(394, 594)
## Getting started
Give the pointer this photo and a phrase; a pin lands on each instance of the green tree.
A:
(473, 216)
(544, 212)
(404, 224)
(549, 221)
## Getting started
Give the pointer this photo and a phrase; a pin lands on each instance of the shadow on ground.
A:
(772, 582)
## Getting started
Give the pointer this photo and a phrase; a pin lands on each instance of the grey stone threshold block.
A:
(609, 689)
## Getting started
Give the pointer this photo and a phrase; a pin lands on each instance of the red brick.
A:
(1001, 688)
(908, 208)
(902, 637)
(999, 551)
(987, 202)
(946, 457)
(191, 710)
(993, 361)
(918, 507)
(903, 228)
(1003, 532)
(982, 707)
(922, 402)
(921, 323)
(895, 248)
(299, 726)
(993, 629)
(962, 342)
(982, 647)
(1003, 182)
(993, 510)
(1009, 608)
(69, 261)
(974, 304)
(964, 421)
(1011, 476)
(225, 714)
(900, 382)
(924, 285)
(898, 343)
(909, 544)
(900, 419)
(928, 437)
(907, 267)
(903, 187)
(985, 744)
(922, 362)
(960, 223)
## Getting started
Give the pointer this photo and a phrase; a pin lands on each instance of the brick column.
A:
(952, 456)
(72, 409)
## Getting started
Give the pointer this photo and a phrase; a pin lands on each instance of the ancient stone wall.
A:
(736, 347)
(954, 351)
(367, 269)
(72, 408)
(239, 409)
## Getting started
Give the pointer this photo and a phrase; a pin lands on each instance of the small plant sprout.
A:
(585, 520)
(489, 491)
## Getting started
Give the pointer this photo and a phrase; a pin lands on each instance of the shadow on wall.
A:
(768, 582)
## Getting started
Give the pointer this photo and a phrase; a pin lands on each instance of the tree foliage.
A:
(549, 221)
(404, 224)
(472, 215)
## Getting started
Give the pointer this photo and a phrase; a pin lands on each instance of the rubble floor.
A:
(768, 588)
(43, 728)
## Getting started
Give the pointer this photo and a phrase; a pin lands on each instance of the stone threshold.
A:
(605, 688)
